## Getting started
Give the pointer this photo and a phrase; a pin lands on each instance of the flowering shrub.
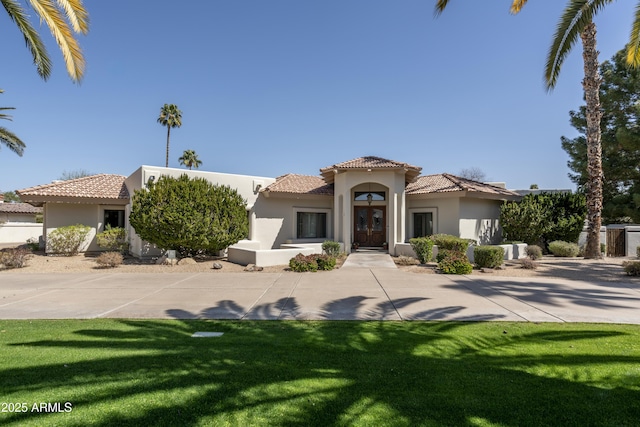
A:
(455, 263)
(67, 240)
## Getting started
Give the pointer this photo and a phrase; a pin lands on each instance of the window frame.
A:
(327, 227)
(413, 212)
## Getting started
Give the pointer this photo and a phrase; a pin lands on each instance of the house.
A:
(368, 201)
(18, 222)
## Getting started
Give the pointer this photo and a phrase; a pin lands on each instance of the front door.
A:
(370, 225)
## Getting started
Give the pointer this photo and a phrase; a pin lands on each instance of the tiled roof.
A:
(101, 186)
(445, 183)
(20, 208)
(300, 184)
(370, 162)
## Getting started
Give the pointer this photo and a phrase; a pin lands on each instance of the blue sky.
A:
(268, 87)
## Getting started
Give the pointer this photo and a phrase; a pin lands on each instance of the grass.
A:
(120, 372)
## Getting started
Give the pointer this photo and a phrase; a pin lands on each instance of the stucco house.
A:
(370, 201)
(18, 222)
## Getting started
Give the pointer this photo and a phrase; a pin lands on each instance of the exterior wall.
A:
(446, 218)
(20, 232)
(632, 239)
(274, 219)
(479, 220)
(64, 214)
(17, 217)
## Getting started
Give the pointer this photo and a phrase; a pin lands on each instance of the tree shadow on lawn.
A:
(286, 373)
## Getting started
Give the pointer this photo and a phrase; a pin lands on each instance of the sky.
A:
(269, 87)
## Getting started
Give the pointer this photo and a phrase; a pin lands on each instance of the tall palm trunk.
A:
(166, 165)
(591, 85)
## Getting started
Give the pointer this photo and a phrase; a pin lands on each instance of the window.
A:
(361, 196)
(113, 219)
(422, 224)
(312, 225)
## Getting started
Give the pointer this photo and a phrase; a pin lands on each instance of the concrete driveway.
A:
(364, 293)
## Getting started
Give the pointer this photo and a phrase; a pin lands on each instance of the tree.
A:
(577, 20)
(619, 97)
(539, 219)
(7, 137)
(171, 117)
(11, 197)
(75, 174)
(64, 18)
(189, 215)
(474, 173)
(190, 159)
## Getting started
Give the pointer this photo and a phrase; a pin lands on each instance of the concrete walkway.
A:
(369, 259)
(348, 293)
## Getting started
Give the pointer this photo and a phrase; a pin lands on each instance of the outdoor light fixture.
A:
(369, 198)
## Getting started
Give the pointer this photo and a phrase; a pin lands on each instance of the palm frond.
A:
(440, 7)
(76, 14)
(517, 6)
(71, 52)
(32, 39)
(12, 142)
(6, 116)
(633, 48)
(577, 15)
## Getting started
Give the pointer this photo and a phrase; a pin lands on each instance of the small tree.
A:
(189, 215)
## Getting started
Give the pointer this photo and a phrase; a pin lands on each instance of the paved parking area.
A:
(365, 293)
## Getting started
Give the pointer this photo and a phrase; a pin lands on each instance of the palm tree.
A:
(64, 18)
(171, 117)
(190, 159)
(8, 138)
(577, 20)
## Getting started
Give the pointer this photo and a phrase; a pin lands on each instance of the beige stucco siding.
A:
(64, 214)
(446, 213)
(274, 219)
(479, 220)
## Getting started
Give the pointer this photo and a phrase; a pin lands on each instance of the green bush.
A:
(113, 239)
(564, 249)
(632, 268)
(67, 240)
(192, 216)
(455, 263)
(449, 242)
(488, 256)
(534, 252)
(109, 259)
(14, 258)
(331, 248)
(423, 247)
(326, 262)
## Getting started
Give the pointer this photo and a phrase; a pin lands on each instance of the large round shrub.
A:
(189, 215)
(564, 249)
(488, 256)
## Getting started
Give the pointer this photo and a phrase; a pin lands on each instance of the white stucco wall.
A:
(20, 232)
(16, 217)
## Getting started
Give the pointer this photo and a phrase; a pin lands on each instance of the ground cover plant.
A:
(123, 372)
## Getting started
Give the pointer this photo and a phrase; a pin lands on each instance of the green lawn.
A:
(125, 372)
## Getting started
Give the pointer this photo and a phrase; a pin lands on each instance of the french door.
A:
(369, 228)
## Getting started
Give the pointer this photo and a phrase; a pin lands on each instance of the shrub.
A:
(67, 240)
(564, 249)
(528, 263)
(113, 239)
(423, 247)
(14, 258)
(455, 263)
(488, 256)
(443, 253)
(331, 248)
(326, 262)
(33, 244)
(632, 268)
(534, 252)
(109, 259)
(191, 216)
(406, 260)
(301, 263)
(449, 242)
